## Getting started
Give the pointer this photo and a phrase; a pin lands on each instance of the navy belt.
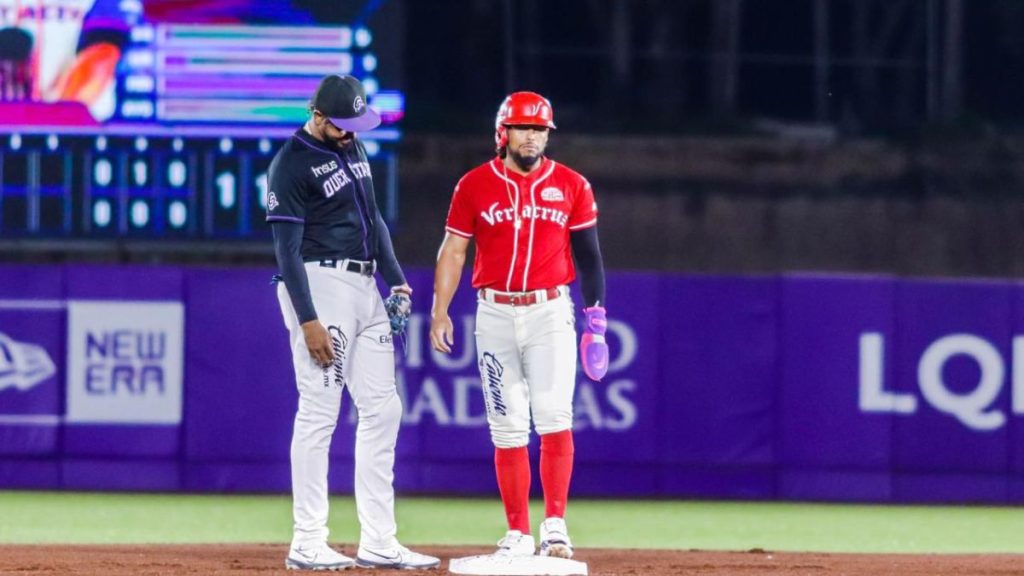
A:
(357, 266)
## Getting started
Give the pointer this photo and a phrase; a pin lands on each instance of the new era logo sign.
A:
(23, 365)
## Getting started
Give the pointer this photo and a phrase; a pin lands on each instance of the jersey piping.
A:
(515, 231)
(533, 222)
(363, 215)
(458, 232)
(586, 224)
(285, 219)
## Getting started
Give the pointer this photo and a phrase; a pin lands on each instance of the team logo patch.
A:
(358, 104)
(491, 371)
(272, 201)
(552, 195)
(23, 365)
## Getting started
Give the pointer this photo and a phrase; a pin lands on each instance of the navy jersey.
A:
(330, 191)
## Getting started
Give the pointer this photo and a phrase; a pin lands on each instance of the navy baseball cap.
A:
(342, 99)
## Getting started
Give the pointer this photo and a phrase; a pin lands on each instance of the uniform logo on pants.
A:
(339, 342)
(491, 370)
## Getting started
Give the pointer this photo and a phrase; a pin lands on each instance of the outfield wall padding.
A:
(789, 387)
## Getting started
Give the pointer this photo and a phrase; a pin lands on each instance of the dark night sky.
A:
(454, 64)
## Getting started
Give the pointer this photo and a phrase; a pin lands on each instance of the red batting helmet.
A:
(522, 109)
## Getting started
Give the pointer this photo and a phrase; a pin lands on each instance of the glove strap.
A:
(596, 321)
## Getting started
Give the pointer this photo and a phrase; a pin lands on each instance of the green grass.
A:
(50, 517)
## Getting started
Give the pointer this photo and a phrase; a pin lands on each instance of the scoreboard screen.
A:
(158, 119)
(164, 186)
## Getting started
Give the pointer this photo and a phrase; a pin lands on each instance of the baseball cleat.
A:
(554, 539)
(515, 543)
(395, 557)
(316, 557)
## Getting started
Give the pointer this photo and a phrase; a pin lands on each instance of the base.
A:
(493, 565)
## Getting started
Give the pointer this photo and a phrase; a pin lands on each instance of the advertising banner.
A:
(240, 386)
(118, 350)
(952, 370)
(125, 362)
(1016, 422)
(715, 393)
(836, 399)
(32, 317)
(797, 386)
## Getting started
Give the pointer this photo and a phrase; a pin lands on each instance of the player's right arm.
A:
(287, 249)
(450, 261)
(451, 258)
(286, 212)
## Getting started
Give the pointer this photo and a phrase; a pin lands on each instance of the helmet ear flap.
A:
(500, 132)
(501, 137)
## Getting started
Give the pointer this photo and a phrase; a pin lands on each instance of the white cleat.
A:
(316, 557)
(554, 539)
(395, 557)
(515, 543)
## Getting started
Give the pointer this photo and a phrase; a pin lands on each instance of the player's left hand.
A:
(593, 348)
(399, 307)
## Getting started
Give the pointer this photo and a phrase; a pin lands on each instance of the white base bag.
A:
(493, 565)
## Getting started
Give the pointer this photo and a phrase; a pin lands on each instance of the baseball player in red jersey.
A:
(530, 216)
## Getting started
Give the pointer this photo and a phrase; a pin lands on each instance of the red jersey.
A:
(521, 223)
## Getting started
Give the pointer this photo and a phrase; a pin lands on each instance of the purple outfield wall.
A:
(795, 387)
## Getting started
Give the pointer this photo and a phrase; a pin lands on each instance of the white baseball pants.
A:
(349, 305)
(527, 360)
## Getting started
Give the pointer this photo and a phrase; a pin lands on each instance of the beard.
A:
(525, 163)
(345, 141)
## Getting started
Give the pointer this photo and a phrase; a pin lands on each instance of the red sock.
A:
(556, 452)
(513, 469)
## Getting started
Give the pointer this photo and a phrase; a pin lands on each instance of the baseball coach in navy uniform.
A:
(330, 240)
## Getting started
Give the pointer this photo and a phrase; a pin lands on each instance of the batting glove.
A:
(593, 348)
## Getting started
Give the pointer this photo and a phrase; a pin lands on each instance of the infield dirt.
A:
(268, 559)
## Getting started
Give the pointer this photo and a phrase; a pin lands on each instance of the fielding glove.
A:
(593, 348)
(398, 306)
